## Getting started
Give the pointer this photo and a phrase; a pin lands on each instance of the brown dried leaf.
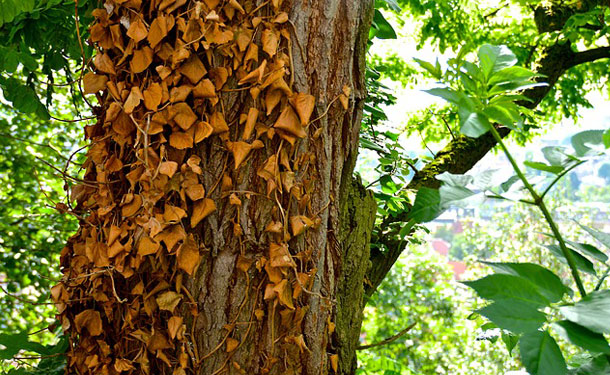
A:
(90, 320)
(284, 293)
(304, 104)
(334, 362)
(132, 205)
(133, 100)
(158, 342)
(204, 89)
(183, 115)
(168, 168)
(250, 122)
(104, 64)
(279, 256)
(217, 120)
(188, 255)
(168, 301)
(94, 82)
(152, 96)
(270, 39)
(289, 122)
(201, 210)
(173, 325)
(231, 344)
(181, 140)
(121, 365)
(173, 214)
(299, 224)
(202, 131)
(158, 31)
(195, 192)
(137, 30)
(141, 59)
(147, 246)
(193, 69)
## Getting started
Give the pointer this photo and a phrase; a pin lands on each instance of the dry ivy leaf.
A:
(183, 115)
(201, 210)
(270, 41)
(274, 227)
(204, 89)
(188, 256)
(133, 100)
(132, 205)
(141, 59)
(289, 122)
(180, 93)
(279, 256)
(173, 214)
(251, 53)
(93, 83)
(152, 96)
(193, 69)
(243, 263)
(217, 120)
(272, 99)
(304, 104)
(240, 151)
(217, 36)
(284, 293)
(275, 76)
(168, 301)
(231, 344)
(173, 325)
(219, 76)
(147, 246)
(195, 192)
(243, 38)
(299, 224)
(171, 236)
(89, 319)
(104, 64)
(234, 200)
(158, 342)
(181, 140)
(137, 30)
(334, 362)
(158, 31)
(121, 365)
(212, 4)
(97, 253)
(260, 314)
(202, 131)
(281, 18)
(168, 168)
(250, 122)
(163, 71)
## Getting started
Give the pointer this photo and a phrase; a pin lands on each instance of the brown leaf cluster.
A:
(162, 71)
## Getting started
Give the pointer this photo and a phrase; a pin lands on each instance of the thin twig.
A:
(388, 340)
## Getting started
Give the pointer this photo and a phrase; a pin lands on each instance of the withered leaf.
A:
(90, 320)
(137, 30)
(250, 122)
(168, 301)
(141, 59)
(289, 122)
(132, 205)
(152, 96)
(168, 168)
(202, 131)
(104, 64)
(299, 224)
(147, 246)
(193, 69)
(173, 214)
(270, 41)
(122, 365)
(195, 192)
(94, 82)
(181, 140)
(158, 31)
(173, 325)
(201, 209)
(279, 256)
(284, 293)
(304, 104)
(231, 344)
(133, 100)
(188, 255)
(217, 120)
(204, 89)
(158, 342)
(183, 115)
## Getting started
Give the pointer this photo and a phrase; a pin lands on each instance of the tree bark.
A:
(218, 233)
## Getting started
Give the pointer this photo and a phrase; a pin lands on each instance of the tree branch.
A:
(588, 56)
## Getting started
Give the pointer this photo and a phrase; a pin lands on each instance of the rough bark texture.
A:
(328, 52)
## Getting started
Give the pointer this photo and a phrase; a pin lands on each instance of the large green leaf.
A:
(589, 250)
(426, 206)
(602, 237)
(583, 140)
(382, 28)
(473, 124)
(593, 312)
(511, 74)
(515, 317)
(598, 365)
(547, 283)
(541, 355)
(581, 336)
(581, 262)
(544, 167)
(508, 287)
(495, 58)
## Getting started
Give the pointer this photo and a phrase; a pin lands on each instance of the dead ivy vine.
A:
(161, 74)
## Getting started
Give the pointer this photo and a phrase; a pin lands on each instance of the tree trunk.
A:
(221, 230)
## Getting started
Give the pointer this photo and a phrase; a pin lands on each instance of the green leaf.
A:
(508, 287)
(544, 167)
(455, 179)
(510, 341)
(17, 342)
(11, 61)
(546, 282)
(503, 114)
(448, 94)
(602, 237)
(426, 206)
(606, 138)
(515, 317)
(596, 366)
(581, 262)
(473, 124)
(393, 5)
(581, 336)
(582, 140)
(511, 74)
(593, 311)
(588, 250)
(495, 58)
(383, 28)
(541, 355)
(434, 70)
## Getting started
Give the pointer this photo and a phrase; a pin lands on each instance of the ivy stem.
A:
(539, 202)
